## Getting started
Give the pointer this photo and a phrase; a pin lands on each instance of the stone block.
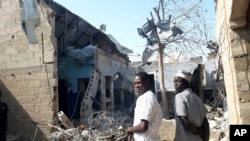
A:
(10, 50)
(241, 63)
(44, 107)
(20, 35)
(18, 78)
(30, 107)
(53, 82)
(3, 66)
(28, 99)
(22, 48)
(35, 84)
(47, 99)
(167, 129)
(239, 48)
(38, 54)
(49, 59)
(34, 48)
(23, 84)
(215, 134)
(242, 82)
(244, 109)
(31, 92)
(5, 58)
(34, 62)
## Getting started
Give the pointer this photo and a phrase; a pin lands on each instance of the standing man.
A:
(147, 113)
(190, 112)
(3, 119)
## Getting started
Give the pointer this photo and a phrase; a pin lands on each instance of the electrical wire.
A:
(75, 105)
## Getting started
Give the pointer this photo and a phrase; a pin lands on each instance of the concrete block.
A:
(53, 82)
(23, 84)
(242, 82)
(35, 84)
(215, 134)
(43, 107)
(47, 99)
(239, 48)
(10, 50)
(30, 107)
(34, 48)
(49, 59)
(34, 62)
(241, 63)
(3, 66)
(167, 129)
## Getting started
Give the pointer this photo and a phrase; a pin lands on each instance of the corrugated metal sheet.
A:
(72, 30)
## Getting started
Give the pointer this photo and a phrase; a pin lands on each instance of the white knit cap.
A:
(184, 74)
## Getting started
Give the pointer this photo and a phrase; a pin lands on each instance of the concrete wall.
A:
(233, 38)
(28, 77)
(109, 65)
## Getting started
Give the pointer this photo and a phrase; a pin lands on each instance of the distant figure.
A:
(3, 119)
(147, 113)
(190, 112)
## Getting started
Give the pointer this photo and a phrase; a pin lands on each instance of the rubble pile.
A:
(101, 126)
(219, 124)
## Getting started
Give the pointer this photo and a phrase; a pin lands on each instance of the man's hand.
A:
(130, 138)
(128, 132)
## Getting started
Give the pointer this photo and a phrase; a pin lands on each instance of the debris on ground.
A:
(101, 126)
(219, 124)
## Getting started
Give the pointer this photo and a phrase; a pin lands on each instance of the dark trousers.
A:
(3, 136)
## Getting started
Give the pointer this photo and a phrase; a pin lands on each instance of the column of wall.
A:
(28, 75)
(233, 39)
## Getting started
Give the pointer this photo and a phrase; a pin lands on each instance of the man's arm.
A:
(190, 127)
(141, 127)
(205, 129)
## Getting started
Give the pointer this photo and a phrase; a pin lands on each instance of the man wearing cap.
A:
(190, 112)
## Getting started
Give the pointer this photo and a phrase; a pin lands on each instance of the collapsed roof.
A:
(72, 30)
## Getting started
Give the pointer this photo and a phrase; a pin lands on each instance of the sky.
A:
(122, 18)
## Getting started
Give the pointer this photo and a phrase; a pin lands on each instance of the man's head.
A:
(141, 82)
(182, 80)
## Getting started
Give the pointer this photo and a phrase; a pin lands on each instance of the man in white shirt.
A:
(147, 114)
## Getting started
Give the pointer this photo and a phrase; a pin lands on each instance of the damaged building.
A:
(232, 31)
(202, 81)
(53, 60)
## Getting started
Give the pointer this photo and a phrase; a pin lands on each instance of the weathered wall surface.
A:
(109, 65)
(28, 78)
(233, 38)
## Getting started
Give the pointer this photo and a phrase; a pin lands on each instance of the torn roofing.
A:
(78, 32)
